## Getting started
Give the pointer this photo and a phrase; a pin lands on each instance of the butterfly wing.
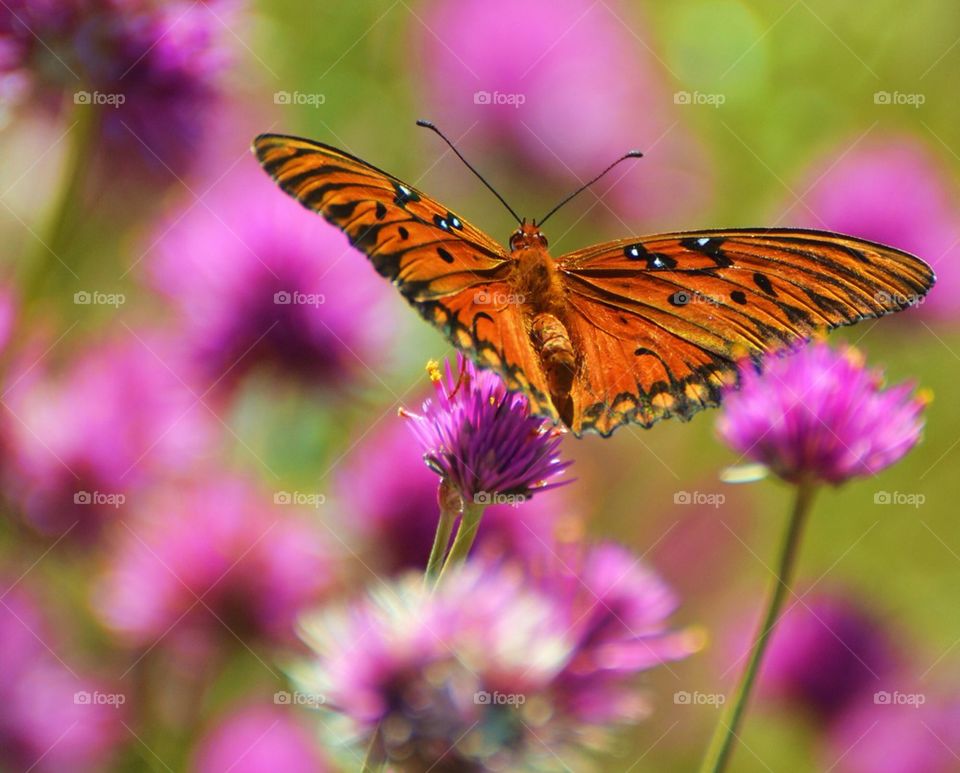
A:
(662, 321)
(450, 271)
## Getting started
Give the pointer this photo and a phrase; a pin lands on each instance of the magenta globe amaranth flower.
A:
(898, 729)
(149, 69)
(483, 440)
(259, 285)
(500, 667)
(259, 739)
(53, 716)
(827, 654)
(212, 560)
(81, 439)
(391, 497)
(818, 414)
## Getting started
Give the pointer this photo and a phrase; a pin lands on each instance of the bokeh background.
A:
(187, 464)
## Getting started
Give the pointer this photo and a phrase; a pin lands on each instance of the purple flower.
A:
(258, 739)
(563, 98)
(827, 654)
(212, 559)
(819, 413)
(83, 439)
(896, 731)
(391, 497)
(52, 717)
(258, 282)
(150, 68)
(500, 667)
(893, 191)
(483, 439)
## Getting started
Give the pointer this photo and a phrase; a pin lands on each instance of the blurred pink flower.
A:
(893, 731)
(51, 718)
(820, 414)
(894, 191)
(259, 282)
(827, 653)
(82, 441)
(391, 496)
(492, 670)
(152, 70)
(212, 558)
(565, 87)
(258, 739)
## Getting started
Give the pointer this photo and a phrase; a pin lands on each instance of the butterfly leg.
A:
(559, 362)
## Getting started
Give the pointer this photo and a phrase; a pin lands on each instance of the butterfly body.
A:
(634, 330)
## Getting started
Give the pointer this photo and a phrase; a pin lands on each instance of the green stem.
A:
(469, 523)
(440, 542)
(370, 762)
(725, 734)
(51, 244)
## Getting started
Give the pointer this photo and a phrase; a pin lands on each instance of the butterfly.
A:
(633, 330)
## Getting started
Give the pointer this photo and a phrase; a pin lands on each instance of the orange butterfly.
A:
(634, 330)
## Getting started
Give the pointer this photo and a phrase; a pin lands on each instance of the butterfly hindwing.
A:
(668, 316)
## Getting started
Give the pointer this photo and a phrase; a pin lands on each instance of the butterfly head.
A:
(527, 236)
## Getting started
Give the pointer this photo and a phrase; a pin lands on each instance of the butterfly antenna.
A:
(429, 125)
(582, 188)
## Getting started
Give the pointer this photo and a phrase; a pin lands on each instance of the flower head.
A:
(48, 722)
(492, 669)
(819, 413)
(253, 565)
(826, 656)
(260, 285)
(483, 439)
(258, 739)
(905, 730)
(150, 68)
(536, 102)
(81, 439)
(392, 500)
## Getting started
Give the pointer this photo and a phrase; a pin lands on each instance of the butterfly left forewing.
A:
(450, 271)
(662, 320)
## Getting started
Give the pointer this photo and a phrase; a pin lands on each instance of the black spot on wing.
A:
(445, 256)
(711, 246)
(738, 296)
(763, 282)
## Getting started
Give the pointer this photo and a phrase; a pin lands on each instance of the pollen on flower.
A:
(433, 371)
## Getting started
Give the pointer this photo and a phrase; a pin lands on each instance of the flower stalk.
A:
(726, 732)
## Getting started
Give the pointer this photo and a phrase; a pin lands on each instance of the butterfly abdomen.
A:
(558, 359)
